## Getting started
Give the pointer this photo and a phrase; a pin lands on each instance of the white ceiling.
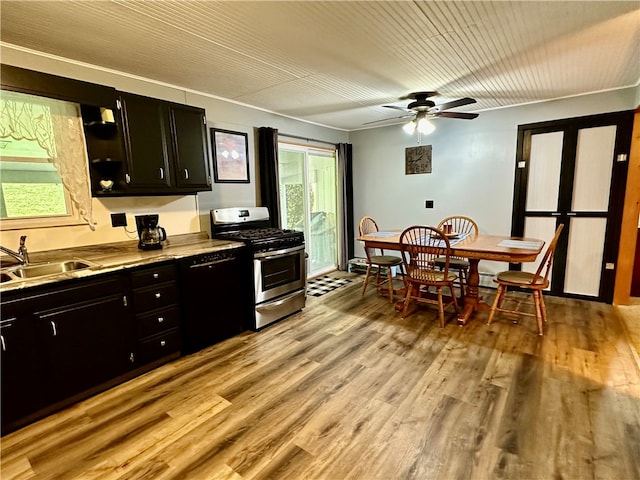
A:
(336, 63)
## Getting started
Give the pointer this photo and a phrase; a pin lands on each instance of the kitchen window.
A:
(44, 177)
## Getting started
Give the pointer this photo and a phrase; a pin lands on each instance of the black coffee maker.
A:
(150, 234)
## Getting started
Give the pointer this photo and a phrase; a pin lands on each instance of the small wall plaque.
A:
(417, 160)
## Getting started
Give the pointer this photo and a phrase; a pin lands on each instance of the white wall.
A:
(473, 166)
(178, 214)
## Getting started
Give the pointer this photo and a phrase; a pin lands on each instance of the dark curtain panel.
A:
(345, 190)
(268, 164)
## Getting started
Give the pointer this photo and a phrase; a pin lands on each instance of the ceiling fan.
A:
(422, 108)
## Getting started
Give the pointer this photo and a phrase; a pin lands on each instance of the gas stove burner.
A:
(252, 226)
(263, 233)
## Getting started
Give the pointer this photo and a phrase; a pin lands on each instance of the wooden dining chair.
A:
(421, 272)
(458, 224)
(533, 282)
(378, 260)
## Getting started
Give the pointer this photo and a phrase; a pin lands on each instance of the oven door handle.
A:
(277, 253)
(211, 264)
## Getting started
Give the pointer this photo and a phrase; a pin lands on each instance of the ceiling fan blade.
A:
(402, 109)
(388, 119)
(466, 116)
(455, 103)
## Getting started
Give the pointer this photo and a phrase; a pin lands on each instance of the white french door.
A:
(573, 172)
(308, 201)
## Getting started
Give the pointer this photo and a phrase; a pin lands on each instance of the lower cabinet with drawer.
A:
(65, 341)
(62, 343)
(156, 305)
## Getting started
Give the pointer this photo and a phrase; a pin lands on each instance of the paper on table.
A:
(520, 244)
(381, 234)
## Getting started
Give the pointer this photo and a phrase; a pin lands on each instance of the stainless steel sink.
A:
(44, 269)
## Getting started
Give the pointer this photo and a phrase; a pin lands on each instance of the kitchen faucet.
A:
(21, 255)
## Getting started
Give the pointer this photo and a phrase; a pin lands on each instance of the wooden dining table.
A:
(474, 248)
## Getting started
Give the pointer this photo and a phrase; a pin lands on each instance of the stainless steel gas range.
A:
(279, 268)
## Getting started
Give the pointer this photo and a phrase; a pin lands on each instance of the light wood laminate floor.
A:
(349, 390)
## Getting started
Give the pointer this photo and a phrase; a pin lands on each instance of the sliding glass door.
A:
(308, 200)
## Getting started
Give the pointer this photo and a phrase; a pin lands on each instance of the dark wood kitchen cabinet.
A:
(165, 145)
(103, 137)
(88, 342)
(155, 300)
(20, 377)
(136, 145)
(63, 343)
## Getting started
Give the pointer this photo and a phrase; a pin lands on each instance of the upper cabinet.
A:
(147, 140)
(136, 145)
(103, 136)
(165, 150)
(165, 146)
(188, 125)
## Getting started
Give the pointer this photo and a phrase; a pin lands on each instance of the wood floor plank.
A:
(349, 390)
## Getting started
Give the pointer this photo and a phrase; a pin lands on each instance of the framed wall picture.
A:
(230, 158)
(417, 160)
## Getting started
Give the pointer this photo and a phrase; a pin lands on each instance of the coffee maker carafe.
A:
(150, 234)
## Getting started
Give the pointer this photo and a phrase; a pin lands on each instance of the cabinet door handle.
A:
(127, 178)
(156, 275)
(161, 173)
(186, 174)
(162, 343)
(158, 295)
(160, 319)
(132, 358)
(4, 345)
(54, 330)
(124, 301)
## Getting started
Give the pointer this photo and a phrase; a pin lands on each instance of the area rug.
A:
(321, 285)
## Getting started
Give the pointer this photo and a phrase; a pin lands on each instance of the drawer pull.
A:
(158, 295)
(155, 275)
(162, 343)
(4, 345)
(54, 330)
(160, 319)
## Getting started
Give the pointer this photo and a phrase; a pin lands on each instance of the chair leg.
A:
(455, 301)
(538, 307)
(496, 301)
(440, 307)
(378, 278)
(366, 279)
(544, 307)
(390, 284)
(407, 299)
(502, 295)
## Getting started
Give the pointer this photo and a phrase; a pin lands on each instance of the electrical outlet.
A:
(118, 219)
(428, 204)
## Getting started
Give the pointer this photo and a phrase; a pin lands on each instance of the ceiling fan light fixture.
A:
(425, 126)
(409, 127)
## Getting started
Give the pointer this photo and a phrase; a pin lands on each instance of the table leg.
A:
(471, 298)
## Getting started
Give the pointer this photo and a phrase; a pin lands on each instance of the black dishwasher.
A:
(217, 297)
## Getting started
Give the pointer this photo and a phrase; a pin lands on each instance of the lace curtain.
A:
(57, 127)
